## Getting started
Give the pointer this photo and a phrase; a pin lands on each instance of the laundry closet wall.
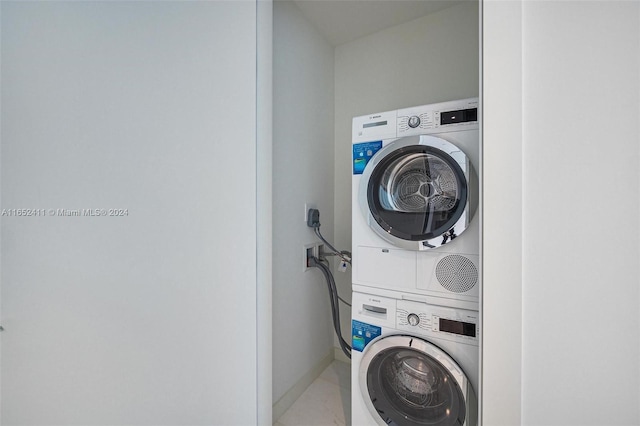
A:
(302, 173)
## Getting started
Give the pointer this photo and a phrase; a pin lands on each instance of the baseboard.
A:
(340, 356)
(287, 400)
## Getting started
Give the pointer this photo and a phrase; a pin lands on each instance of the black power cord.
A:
(334, 298)
(313, 221)
(344, 255)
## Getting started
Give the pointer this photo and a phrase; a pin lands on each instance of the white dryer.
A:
(413, 363)
(414, 202)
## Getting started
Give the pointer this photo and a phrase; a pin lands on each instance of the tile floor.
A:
(327, 401)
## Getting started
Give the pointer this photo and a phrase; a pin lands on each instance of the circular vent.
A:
(456, 273)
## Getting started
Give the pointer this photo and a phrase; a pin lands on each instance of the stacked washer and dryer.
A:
(415, 322)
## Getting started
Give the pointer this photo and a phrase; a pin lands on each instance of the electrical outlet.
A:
(308, 206)
(313, 218)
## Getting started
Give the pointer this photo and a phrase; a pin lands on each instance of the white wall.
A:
(148, 318)
(430, 59)
(580, 306)
(264, 201)
(581, 276)
(302, 173)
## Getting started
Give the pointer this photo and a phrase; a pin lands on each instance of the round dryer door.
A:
(415, 192)
(407, 381)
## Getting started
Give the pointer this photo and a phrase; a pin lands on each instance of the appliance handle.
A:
(375, 309)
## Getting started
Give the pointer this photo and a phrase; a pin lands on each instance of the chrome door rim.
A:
(455, 154)
(430, 350)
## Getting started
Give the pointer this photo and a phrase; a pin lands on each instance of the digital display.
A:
(460, 116)
(458, 327)
(376, 124)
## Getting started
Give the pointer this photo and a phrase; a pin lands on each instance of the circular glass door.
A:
(407, 386)
(417, 193)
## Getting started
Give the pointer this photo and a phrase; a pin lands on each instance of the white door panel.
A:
(126, 319)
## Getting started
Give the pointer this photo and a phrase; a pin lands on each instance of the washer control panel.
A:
(447, 323)
(416, 318)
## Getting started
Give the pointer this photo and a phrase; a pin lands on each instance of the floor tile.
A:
(325, 402)
(338, 373)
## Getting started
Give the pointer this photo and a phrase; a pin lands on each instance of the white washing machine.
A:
(414, 202)
(413, 363)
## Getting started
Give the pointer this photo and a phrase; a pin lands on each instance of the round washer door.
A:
(415, 192)
(406, 381)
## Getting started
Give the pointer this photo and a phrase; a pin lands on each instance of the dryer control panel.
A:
(420, 120)
(434, 118)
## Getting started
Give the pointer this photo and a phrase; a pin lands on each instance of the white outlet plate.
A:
(314, 249)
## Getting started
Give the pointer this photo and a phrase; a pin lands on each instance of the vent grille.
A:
(456, 273)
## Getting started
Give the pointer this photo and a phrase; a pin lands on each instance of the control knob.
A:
(413, 319)
(414, 121)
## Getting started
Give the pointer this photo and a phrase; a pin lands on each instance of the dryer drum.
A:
(419, 183)
(417, 193)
